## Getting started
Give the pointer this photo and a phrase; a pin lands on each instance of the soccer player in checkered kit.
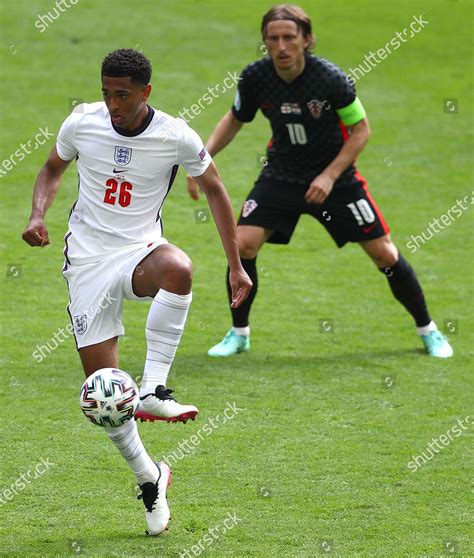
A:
(127, 156)
(319, 127)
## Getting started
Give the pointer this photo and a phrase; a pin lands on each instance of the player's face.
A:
(286, 44)
(125, 100)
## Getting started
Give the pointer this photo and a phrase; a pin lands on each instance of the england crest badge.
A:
(80, 323)
(122, 155)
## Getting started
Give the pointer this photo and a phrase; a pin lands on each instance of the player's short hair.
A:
(292, 13)
(127, 62)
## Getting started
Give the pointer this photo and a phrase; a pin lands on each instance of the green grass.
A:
(320, 450)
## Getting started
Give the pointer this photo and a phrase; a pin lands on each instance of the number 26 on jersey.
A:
(124, 196)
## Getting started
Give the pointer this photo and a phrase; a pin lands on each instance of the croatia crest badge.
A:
(248, 207)
(315, 108)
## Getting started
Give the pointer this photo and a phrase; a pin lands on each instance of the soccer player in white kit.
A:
(127, 155)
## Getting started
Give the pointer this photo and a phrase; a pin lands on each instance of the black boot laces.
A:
(149, 494)
(161, 393)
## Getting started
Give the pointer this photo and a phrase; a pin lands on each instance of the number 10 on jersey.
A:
(297, 134)
(124, 196)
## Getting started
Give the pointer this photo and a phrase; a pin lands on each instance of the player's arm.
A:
(359, 135)
(211, 185)
(46, 186)
(322, 185)
(222, 135)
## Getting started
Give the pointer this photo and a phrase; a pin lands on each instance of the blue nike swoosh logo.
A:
(119, 171)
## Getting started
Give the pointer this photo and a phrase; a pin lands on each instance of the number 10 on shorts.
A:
(362, 212)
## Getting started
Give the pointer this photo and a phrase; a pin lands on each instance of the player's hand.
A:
(240, 284)
(36, 233)
(193, 188)
(319, 189)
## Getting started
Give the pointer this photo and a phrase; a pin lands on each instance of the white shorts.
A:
(97, 290)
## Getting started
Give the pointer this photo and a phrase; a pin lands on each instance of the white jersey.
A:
(123, 179)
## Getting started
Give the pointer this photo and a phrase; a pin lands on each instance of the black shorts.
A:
(349, 213)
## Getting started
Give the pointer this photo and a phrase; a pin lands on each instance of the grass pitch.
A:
(316, 460)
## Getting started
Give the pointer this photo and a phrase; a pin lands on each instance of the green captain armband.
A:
(352, 114)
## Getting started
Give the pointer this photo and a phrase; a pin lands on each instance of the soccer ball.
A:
(109, 397)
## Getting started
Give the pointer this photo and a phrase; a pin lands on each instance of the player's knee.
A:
(182, 268)
(188, 270)
(247, 248)
(177, 274)
(386, 255)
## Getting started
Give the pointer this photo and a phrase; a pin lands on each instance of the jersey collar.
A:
(307, 58)
(140, 129)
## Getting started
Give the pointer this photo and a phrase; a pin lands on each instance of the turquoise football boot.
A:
(437, 345)
(232, 344)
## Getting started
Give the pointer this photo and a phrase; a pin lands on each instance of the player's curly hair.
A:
(127, 62)
(292, 13)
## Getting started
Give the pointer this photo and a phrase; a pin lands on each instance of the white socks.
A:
(427, 328)
(242, 330)
(127, 441)
(164, 327)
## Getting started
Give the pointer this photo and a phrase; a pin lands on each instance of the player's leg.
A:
(125, 437)
(100, 355)
(407, 290)
(165, 274)
(401, 277)
(152, 478)
(350, 214)
(269, 214)
(237, 340)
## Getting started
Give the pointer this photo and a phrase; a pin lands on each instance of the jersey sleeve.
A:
(343, 90)
(346, 103)
(65, 140)
(191, 152)
(245, 103)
